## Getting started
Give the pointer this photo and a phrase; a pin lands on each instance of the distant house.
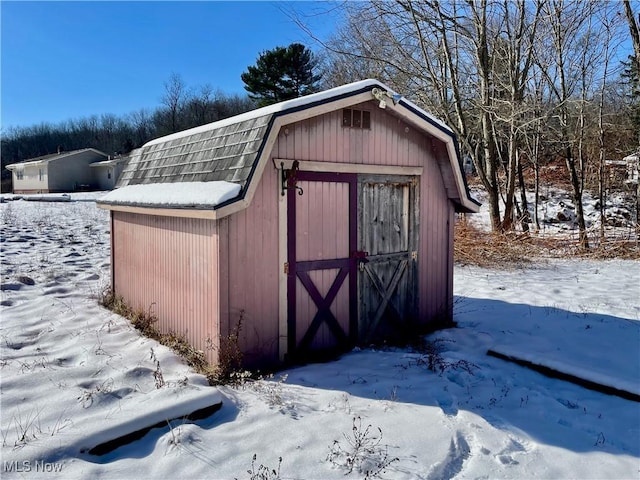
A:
(626, 169)
(299, 229)
(57, 172)
(632, 163)
(107, 172)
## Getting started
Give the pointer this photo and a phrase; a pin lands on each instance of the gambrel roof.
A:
(235, 149)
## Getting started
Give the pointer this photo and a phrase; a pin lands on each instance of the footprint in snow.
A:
(447, 406)
(459, 452)
(505, 456)
(57, 291)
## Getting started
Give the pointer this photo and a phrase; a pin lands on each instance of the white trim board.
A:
(332, 167)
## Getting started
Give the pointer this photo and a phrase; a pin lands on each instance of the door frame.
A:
(408, 261)
(280, 165)
(293, 272)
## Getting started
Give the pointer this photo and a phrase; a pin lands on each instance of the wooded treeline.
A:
(180, 108)
(521, 83)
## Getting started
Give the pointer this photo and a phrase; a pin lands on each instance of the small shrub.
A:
(176, 435)
(157, 374)
(87, 396)
(27, 428)
(263, 472)
(9, 216)
(363, 451)
(230, 359)
(434, 361)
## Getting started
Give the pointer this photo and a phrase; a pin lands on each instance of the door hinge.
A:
(286, 268)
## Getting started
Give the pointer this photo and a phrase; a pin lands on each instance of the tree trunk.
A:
(525, 218)
(577, 198)
(507, 224)
(536, 171)
(634, 30)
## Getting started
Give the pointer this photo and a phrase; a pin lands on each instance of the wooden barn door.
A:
(387, 279)
(322, 264)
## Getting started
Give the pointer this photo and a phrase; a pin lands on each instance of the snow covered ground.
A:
(557, 213)
(73, 375)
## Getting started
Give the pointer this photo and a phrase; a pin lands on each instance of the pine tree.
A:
(281, 74)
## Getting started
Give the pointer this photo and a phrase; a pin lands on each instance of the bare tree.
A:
(468, 62)
(634, 29)
(568, 29)
(142, 124)
(174, 99)
(610, 38)
(514, 58)
(201, 106)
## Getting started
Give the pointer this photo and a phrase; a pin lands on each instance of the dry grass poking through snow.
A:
(474, 246)
(229, 370)
(145, 323)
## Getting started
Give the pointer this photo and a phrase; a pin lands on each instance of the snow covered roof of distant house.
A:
(52, 157)
(233, 150)
(111, 161)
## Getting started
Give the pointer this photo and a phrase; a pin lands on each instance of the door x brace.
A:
(385, 292)
(324, 313)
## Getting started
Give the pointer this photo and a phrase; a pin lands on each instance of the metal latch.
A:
(361, 258)
(414, 255)
(286, 268)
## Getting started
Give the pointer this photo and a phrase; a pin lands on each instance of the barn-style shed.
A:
(314, 224)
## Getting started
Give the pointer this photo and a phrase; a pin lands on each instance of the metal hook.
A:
(288, 178)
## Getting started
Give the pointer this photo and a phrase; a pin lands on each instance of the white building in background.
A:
(633, 166)
(83, 169)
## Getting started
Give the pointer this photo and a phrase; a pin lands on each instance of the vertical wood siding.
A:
(390, 141)
(322, 233)
(169, 267)
(436, 244)
(251, 250)
(203, 277)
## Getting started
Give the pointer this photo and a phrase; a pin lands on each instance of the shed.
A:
(306, 227)
(56, 172)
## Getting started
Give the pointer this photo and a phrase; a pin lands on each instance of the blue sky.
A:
(63, 60)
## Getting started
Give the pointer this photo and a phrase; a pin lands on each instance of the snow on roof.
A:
(289, 105)
(52, 157)
(108, 163)
(179, 195)
(231, 149)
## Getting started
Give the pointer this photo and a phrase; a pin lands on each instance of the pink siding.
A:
(389, 142)
(201, 277)
(322, 232)
(436, 245)
(250, 250)
(322, 220)
(323, 138)
(168, 266)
